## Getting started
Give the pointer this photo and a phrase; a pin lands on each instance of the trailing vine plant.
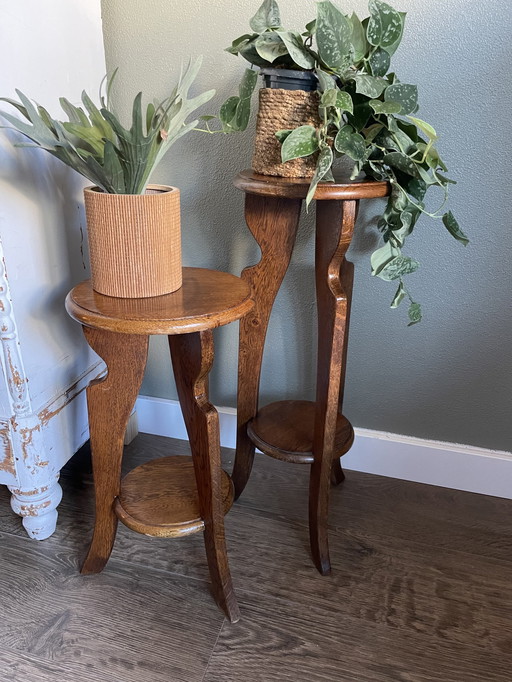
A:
(366, 114)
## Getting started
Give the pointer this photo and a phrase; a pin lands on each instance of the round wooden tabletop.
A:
(297, 188)
(207, 299)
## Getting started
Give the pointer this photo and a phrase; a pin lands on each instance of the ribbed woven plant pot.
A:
(283, 110)
(134, 241)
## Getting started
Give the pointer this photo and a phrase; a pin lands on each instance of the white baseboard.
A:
(450, 465)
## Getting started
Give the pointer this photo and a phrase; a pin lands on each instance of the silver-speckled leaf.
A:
(300, 142)
(385, 25)
(402, 163)
(399, 266)
(323, 166)
(381, 257)
(344, 101)
(453, 228)
(414, 314)
(379, 62)
(406, 95)
(350, 143)
(370, 85)
(333, 32)
(325, 81)
(385, 107)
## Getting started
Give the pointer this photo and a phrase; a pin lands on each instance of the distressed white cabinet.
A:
(45, 362)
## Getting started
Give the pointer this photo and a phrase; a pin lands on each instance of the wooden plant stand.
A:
(299, 431)
(170, 496)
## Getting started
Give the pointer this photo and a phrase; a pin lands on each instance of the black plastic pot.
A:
(288, 79)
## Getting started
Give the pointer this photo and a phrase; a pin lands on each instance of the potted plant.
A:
(354, 106)
(133, 227)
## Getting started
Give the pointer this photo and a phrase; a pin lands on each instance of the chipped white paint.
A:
(46, 364)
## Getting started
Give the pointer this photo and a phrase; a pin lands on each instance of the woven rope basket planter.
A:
(282, 110)
(134, 241)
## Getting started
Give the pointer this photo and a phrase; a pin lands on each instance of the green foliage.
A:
(366, 114)
(94, 142)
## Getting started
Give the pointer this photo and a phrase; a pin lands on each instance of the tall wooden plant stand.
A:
(169, 496)
(299, 431)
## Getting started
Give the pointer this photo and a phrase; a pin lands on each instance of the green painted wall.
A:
(448, 378)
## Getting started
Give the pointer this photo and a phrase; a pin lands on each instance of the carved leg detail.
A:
(38, 508)
(334, 228)
(273, 222)
(110, 402)
(192, 359)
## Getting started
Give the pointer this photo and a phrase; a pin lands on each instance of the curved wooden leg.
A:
(334, 228)
(273, 223)
(110, 401)
(192, 359)
(337, 474)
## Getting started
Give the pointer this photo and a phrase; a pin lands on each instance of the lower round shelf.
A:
(284, 430)
(159, 498)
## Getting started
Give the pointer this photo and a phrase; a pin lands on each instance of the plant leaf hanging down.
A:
(367, 114)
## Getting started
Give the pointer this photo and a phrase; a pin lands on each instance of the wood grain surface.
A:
(284, 430)
(420, 591)
(335, 222)
(273, 223)
(110, 401)
(207, 299)
(297, 188)
(192, 359)
(159, 498)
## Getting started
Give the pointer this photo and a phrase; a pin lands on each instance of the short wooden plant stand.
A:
(299, 431)
(170, 496)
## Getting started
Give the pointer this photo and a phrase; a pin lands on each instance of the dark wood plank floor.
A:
(421, 589)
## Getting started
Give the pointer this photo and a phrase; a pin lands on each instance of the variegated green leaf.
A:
(247, 84)
(296, 49)
(391, 49)
(381, 257)
(385, 25)
(333, 33)
(402, 163)
(344, 101)
(406, 95)
(370, 86)
(266, 17)
(414, 314)
(283, 134)
(379, 62)
(398, 267)
(270, 47)
(380, 107)
(235, 46)
(325, 80)
(350, 143)
(227, 113)
(453, 228)
(323, 166)
(249, 52)
(300, 142)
